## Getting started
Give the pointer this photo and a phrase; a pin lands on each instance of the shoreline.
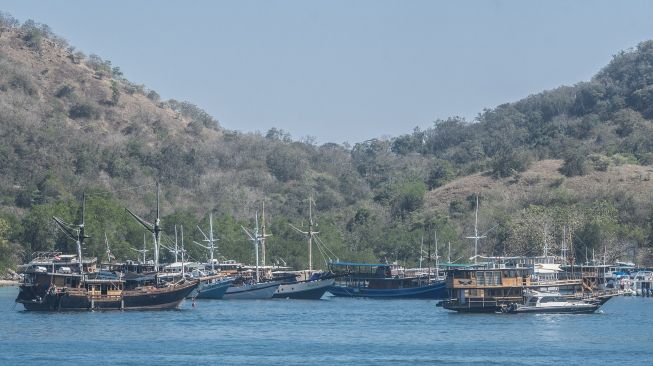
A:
(8, 283)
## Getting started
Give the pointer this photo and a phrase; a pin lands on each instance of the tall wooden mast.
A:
(310, 233)
(155, 228)
(210, 240)
(75, 232)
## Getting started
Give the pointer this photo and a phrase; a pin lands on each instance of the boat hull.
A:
(589, 309)
(305, 290)
(259, 291)
(213, 291)
(166, 298)
(433, 291)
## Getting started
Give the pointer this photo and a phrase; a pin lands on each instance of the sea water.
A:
(329, 331)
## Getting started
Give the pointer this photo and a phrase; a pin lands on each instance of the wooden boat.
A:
(59, 291)
(78, 289)
(307, 284)
(382, 280)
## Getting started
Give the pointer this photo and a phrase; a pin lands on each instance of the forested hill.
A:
(71, 124)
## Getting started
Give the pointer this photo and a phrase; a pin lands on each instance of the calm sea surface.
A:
(332, 331)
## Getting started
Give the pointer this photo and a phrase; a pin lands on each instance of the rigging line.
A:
(324, 249)
(323, 255)
(326, 246)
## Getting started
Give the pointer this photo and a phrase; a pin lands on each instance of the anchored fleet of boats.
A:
(53, 281)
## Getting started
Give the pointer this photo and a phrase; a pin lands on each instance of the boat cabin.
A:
(485, 289)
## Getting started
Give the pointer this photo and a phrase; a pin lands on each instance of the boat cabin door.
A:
(461, 297)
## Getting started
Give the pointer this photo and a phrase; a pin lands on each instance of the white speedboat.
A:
(549, 302)
(643, 283)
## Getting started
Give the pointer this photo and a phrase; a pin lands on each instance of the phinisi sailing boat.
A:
(309, 284)
(213, 286)
(252, 288)
(81, 290)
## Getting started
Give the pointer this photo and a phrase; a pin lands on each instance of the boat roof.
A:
(359, 264)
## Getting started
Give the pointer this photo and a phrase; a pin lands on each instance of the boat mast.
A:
(476, 236)
(564, 244)
(428, 260)
(256, 244)
(209, 239)
(79, 236)
(144, 250)
(183, 266)
(255, 238)
(176, 247)
(309, 234)
(421, 253)
(106, 242)
(437, 262)
(155, 228)
(263, 235)
(546, 245)
(157, 231)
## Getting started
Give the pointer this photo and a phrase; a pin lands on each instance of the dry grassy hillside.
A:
(540, 178)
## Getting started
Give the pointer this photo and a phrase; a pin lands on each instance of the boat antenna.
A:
(449, 254)
(210, 240)
(155, 228)
(476, 236)
(309, 234)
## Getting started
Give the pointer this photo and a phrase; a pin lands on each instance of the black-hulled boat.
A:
(68, 288)
(52, 291)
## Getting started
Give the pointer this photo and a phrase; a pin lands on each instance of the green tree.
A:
(575, 163)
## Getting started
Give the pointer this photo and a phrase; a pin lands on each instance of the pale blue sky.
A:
(347, 70)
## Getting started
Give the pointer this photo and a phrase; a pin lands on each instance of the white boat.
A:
(552, 302)
(254, 291)
(643, 283)
(308, 286)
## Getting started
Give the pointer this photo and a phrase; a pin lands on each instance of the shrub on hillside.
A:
(441, 173)
(64, 91)
(508, 162)
(83, 110)
(575, 164)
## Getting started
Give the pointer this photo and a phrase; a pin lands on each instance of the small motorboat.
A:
(550, 302)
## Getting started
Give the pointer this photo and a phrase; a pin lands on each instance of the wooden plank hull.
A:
(164, 298)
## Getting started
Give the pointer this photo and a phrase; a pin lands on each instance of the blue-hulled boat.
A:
(214, 288)
(384, 281)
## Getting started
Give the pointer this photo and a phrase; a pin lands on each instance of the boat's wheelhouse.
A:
(485, 289)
